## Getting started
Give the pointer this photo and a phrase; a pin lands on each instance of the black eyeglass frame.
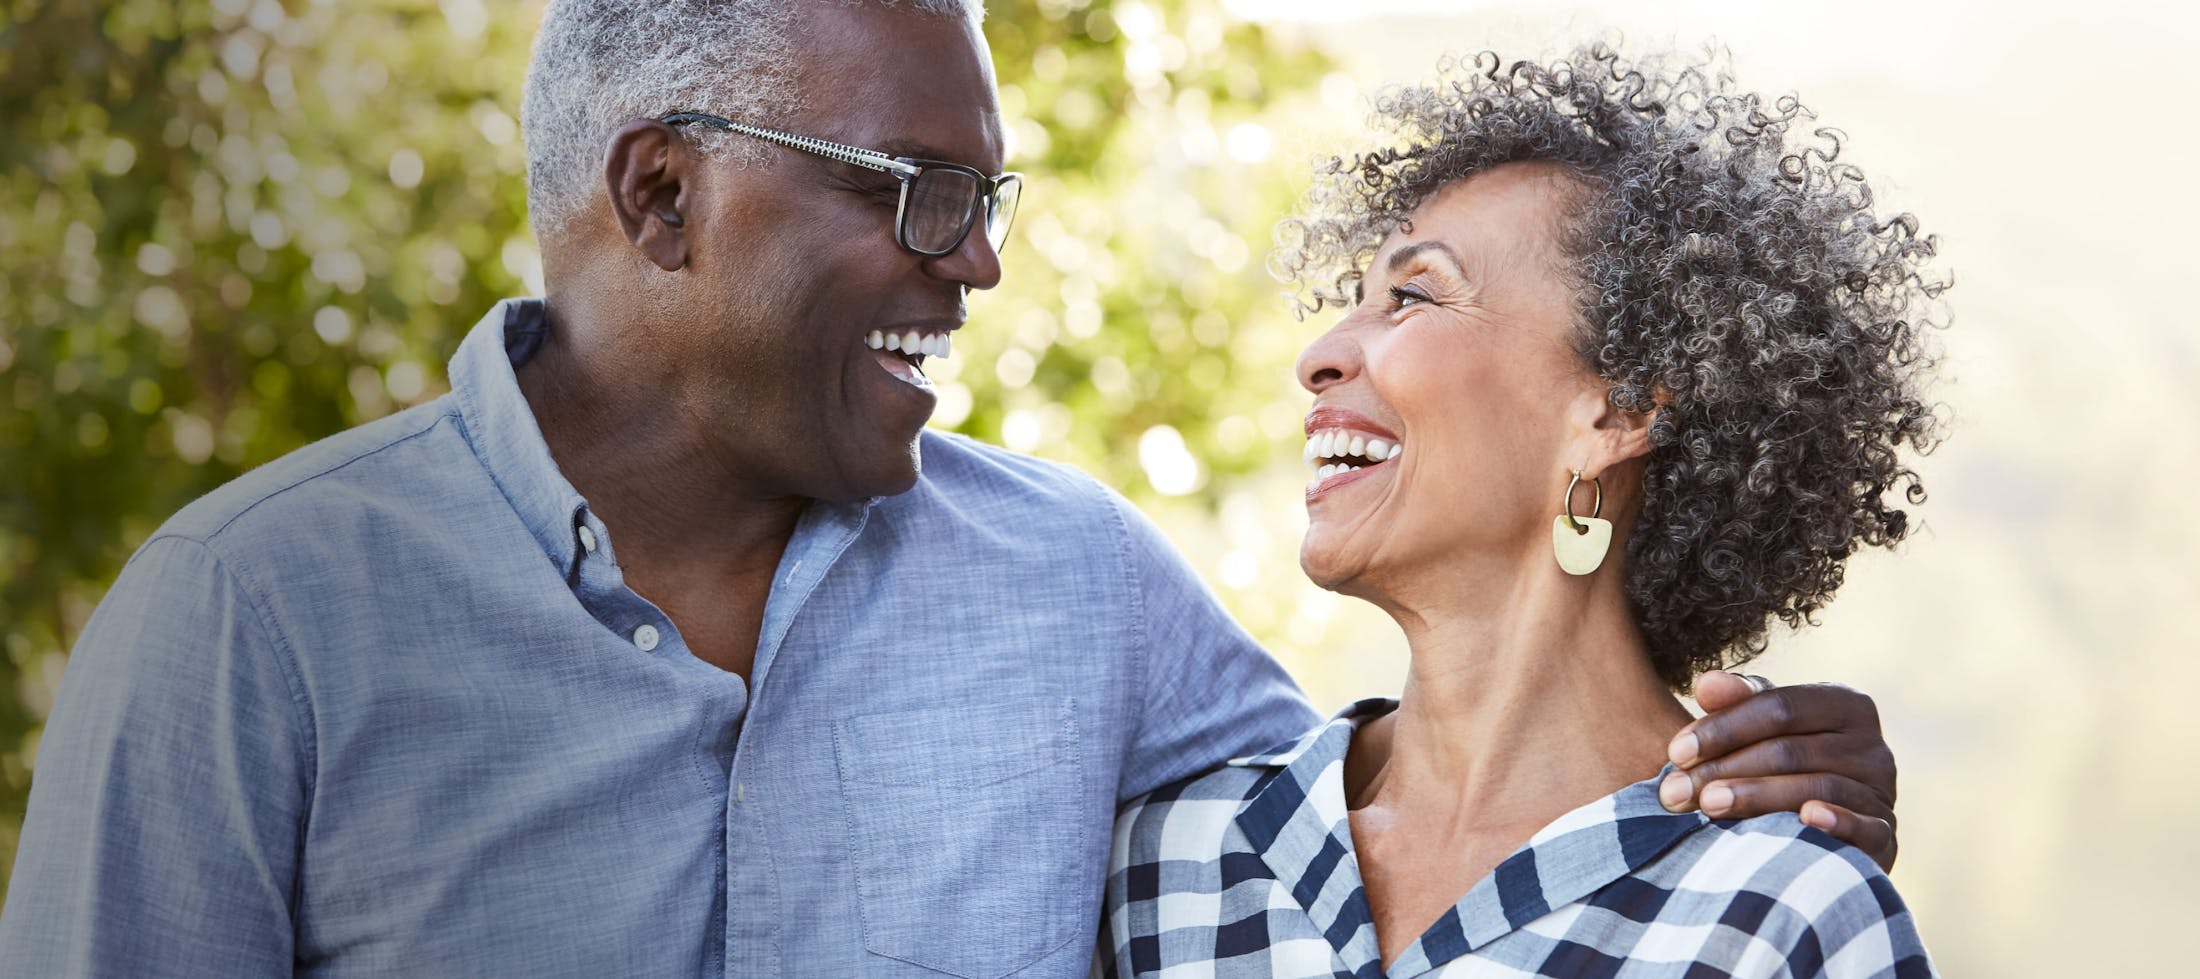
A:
(904, 168)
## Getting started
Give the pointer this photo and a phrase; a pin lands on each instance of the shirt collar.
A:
(1339, 726)
(1299, 824)
(502, 430)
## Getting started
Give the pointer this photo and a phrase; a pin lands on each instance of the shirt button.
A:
(588, 539)
(646, 637)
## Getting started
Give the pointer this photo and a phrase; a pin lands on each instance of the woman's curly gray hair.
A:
(1738, 284)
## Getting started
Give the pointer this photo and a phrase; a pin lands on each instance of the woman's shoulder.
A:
(1196, 811)
(1794, 887)
(1777, 849)
(1205, 806)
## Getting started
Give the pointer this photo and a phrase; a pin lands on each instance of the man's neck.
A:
(675, 506)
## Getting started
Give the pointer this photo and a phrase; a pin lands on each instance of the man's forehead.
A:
(902, 82)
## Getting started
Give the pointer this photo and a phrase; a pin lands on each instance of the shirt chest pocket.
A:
(982, 855)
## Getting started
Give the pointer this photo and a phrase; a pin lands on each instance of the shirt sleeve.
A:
(165, 813)
(1209, 692)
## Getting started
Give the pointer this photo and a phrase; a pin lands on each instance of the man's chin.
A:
(890, 472)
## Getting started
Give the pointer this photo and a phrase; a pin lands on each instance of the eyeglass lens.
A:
(941, 206)
(1005, 197)
(940, 202)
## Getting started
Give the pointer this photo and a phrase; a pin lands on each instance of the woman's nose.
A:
(1331, 359)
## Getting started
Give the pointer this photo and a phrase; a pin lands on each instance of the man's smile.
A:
(902, 353)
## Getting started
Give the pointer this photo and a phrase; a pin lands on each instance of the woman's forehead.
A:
(1492, 216)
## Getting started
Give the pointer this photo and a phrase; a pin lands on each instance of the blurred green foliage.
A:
(230, 228)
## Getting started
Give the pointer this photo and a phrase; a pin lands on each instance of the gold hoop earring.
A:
(1581, 542)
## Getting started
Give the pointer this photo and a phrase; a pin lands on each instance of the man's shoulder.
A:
(961, 463)
(998, 487)
(314, 482)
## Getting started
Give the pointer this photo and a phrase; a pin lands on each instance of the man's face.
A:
(793, 263)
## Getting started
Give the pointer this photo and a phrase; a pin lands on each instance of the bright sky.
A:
(1865, 36)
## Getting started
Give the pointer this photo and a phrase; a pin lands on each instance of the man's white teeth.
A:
(912, 343)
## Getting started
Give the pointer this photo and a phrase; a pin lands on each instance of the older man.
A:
(649, 650)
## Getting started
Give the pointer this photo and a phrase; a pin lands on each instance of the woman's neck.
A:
(1520, 709)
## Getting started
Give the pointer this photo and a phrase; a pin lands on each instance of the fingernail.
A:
(1717, 799)
(1674, 792)
(1684, 749)
(1818, 816)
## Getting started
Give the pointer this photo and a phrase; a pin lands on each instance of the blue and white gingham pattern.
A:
(1248, 871)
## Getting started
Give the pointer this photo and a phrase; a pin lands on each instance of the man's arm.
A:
(166, 804)
(1813, 749)
(1208, 693)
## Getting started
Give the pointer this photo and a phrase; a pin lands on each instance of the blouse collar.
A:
(1298, 824)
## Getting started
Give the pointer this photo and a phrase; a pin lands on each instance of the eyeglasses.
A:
(939, 200)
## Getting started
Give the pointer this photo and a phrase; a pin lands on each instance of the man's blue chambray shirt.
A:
(385, 707)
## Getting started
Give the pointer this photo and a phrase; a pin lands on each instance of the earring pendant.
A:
(1581, 542)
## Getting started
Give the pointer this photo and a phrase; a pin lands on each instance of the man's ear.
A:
(648, 171)
(1607, 435)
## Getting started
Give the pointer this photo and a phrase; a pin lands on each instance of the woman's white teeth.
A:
(1334, 469)
(912, 343)
(1345, 445)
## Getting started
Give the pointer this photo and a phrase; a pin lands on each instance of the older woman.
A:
(1622, 377)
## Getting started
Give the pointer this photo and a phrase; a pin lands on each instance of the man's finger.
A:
(1744, 798)
(1717, 690)
(1870, 834)
(1802, 754)
(1810, 709)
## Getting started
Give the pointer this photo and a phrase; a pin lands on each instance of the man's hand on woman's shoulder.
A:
(1814, 749)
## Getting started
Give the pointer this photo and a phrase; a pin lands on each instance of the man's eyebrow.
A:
(917, 151)
(1399, 258)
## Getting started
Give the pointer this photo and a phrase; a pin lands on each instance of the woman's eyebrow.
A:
(1399, 258)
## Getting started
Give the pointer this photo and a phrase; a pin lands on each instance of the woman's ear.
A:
(1607, 435)
(647, 171)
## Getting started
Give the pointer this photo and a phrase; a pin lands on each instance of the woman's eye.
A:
(1404, 296)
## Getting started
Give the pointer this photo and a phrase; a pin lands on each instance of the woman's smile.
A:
(1344, 446)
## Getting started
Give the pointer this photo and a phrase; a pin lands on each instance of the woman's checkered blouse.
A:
(1248, 872)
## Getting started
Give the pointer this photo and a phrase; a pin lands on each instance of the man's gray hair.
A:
(600, 63)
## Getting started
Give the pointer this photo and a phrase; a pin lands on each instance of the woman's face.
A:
(1461, 351)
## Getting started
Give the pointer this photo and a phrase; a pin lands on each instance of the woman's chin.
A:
(1326, 568)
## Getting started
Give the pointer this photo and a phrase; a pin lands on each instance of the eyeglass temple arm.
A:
(825, 148)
